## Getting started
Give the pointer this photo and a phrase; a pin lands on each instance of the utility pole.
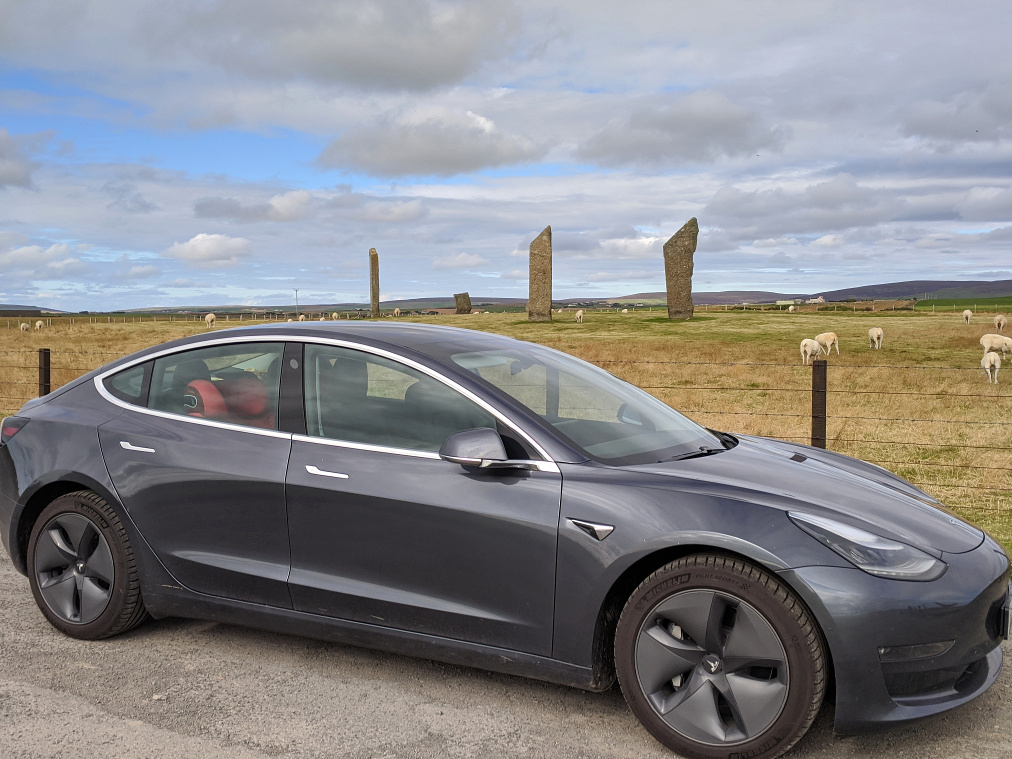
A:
(296, 303)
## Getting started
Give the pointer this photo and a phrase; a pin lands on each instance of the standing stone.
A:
(539, 304)
(374, 283)
(678, 270)
(463, 303)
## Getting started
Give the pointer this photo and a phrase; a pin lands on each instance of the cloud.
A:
(127, 198)
(969, 116)
(459, 261)
(210, 251)
(829, 241)
(143, 272)
(439, 143)
(289, 206)
(625, 276)
(15, 167)
(519, 274)
(699, 127)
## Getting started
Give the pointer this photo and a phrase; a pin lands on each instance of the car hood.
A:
(799, 478)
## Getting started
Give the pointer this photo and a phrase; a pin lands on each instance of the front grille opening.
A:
(935, 682)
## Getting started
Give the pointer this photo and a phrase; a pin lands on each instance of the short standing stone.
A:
(678, 253)
(463, 303)
(539, 305)
(374, 283)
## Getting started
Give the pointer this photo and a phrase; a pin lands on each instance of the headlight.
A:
(875, 555)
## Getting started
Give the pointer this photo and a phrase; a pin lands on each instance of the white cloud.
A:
(459, 261)
(143, 272)
(15, 167)
(207, 251)
(829, 241)
(518, 274)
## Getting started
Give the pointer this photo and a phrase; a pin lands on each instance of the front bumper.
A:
(860, 613)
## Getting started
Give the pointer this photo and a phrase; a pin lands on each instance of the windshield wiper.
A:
(701, 451)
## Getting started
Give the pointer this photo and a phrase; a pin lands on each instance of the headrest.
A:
(187, 371)
(202, 398)
(347, 378)
(245, 396)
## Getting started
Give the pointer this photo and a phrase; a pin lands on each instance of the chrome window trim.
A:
(364, 446)
(98, 380)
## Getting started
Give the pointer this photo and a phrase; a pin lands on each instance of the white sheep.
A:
(397, 312)
(994, 342)
(999, 322)
(209, 320)
(810, 349)
(579, 317)
(875, 337)
(39, 325)
(790, 309)
(302, 317)
(625, 310)
(289, 320)
(991, 363)
(25, 326)
(827, 340)
(335, 316)
(966, 316)
(323, 318)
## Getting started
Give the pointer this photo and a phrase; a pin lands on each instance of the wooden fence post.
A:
(44, 374)
(819, 403)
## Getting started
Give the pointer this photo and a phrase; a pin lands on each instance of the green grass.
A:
(977, 305)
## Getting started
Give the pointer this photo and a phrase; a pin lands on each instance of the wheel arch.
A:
(623, 586)
(35, 499)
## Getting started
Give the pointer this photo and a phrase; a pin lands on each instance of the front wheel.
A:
(81, 568)
(717, 658)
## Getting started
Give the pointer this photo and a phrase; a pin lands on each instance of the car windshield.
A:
(608, 419)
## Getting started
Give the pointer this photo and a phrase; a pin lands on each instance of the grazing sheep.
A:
(875, 338)
(827, 340)
(335, 316)
(994, 342)
(625, 310)
(991, 363)
(209, 320)
(289, 320)
(966, 316)
(323, 318)
(810, 349)
(790, 309)
(397, 312)
(25, 326)
(579, 317)
(39, 325)
(302, 317)
(999, 322)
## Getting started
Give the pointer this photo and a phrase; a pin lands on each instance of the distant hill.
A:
(924, 289)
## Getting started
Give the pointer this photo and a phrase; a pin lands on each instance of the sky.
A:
(220, 152)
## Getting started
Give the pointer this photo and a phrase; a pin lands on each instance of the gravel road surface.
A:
(178, 688)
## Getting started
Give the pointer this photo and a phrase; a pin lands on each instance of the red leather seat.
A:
(247, 401)
(207, 401)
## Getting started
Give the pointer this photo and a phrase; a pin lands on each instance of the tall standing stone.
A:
(678, 253)
(374, 283)
(463, 303)
(539, 304)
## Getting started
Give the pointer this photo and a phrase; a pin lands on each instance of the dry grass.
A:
(942, 426)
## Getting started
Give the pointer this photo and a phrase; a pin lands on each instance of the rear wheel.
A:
(718, 658)
(81, 568)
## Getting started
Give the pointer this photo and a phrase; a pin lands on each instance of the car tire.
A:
(81, 568)
(719, 658)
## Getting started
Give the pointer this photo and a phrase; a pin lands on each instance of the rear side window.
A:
(130, 385)
(237, 383)
(363, 398)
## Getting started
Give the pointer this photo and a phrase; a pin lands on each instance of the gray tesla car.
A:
(489, 502)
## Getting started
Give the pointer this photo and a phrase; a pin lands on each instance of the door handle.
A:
(324, 473)
(131, 447)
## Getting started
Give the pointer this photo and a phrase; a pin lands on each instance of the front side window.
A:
(359, 397)
(610, 420)
(236, 383)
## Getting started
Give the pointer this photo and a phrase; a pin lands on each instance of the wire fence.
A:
(941, 427)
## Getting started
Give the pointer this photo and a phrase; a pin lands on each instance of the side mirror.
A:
(481, 447)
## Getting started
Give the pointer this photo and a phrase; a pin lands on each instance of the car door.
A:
(385, 532)
(200, 466)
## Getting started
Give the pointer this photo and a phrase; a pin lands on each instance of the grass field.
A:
(984, 307)
(920, 407)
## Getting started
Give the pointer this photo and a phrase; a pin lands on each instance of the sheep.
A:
(999, 322)
(209, 320)
(994, 342)
(966, 316)
(991, 363)
(335, 316)
(323, 318)
(810, 349)
(25, 326)
(579, 317)
(790, 309)
(397, 312)
(625, 310)
(827, 340)
(39, 325)
(289, 320)
(302, 317)
(875, 338)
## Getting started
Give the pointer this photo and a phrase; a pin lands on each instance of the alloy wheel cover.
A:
(74, 568)
(712, 667)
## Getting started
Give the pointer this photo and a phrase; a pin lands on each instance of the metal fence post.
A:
(44, 380)
(819, 403)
